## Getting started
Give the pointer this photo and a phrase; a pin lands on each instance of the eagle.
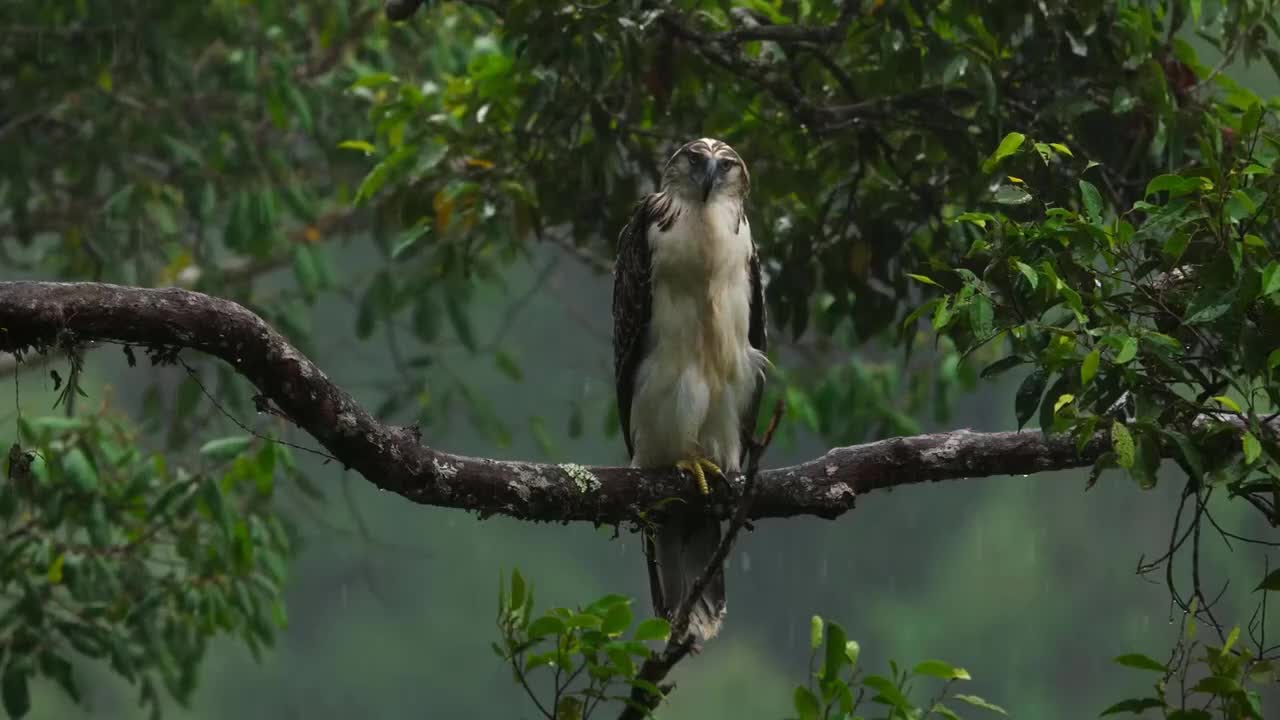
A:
(689, 344)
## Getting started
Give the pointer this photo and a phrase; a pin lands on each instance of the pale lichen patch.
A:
(839, 491)
(445, 470)
(346, 423)
(581, 476)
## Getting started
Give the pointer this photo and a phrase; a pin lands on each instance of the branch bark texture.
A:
(35, 316)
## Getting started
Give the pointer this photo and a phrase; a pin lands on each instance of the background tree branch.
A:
(39, 315)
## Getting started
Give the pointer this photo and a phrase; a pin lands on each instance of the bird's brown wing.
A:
(633, 300)
(758, 336)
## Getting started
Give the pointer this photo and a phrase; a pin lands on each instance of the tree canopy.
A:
(1081, 195)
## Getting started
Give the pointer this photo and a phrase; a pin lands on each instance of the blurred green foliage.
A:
(114, 554)
(1120, 242)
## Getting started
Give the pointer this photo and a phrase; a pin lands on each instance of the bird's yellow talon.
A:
(698, 467)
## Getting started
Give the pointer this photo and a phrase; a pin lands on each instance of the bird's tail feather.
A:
(678, 552)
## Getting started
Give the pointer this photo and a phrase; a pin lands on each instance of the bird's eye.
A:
(693, 159)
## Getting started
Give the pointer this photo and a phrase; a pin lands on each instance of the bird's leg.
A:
(698, 467)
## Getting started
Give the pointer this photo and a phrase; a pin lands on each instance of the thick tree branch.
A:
(36, 315)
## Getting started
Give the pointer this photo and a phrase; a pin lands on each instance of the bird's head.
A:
(706, 169)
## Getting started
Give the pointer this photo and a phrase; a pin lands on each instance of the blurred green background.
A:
(1028, 582)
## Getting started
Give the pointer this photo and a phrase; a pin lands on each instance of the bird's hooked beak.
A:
(709, 172)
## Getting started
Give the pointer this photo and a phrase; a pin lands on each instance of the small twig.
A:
(209, 396)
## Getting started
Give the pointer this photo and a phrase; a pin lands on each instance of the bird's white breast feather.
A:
(700, 371)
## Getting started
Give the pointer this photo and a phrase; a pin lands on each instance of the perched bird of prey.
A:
(688, 349)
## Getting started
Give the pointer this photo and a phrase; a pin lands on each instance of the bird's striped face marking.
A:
(704, 170)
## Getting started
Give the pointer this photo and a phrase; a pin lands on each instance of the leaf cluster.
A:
(120, 557)
(589, 656)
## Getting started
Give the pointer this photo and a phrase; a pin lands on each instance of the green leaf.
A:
(1122, 445)
(976, 218)
(1273, 360)
(585, 620)
(888, 692)
(1062, 149)
(942, 314)
(944, 712)
(1011, 195)
(226, 448)
(166, 500)
(1240, 205)
(1217, 685)
(1270, 279)
(538, 428)
(1141, 662)
(54, 574)
(616, 619)
(1000, 366)
(1252, 448)
(305, 269)
(381, 173)
(1190, 455)
(653, 628)
(517, 589)
(1134, 705)
(546, 625)
(59, 669)
(1232, 637)
(1128, 350)
(924, 279)
(806, 704)
(374, 79)
(1271, 582)
(1209, 305)
(1176, 185)
(1252, 118)
(835, 656)
(1092, 201)
(1008, 146)
(981, 317)
(942, 670)
(815, 632)
(80, 470)
(360, 145)
(507, 365)
(1028, 272)
(1028, 397)
(16, 694)
(1089, 366)
(978, 702)
(1227, 403)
